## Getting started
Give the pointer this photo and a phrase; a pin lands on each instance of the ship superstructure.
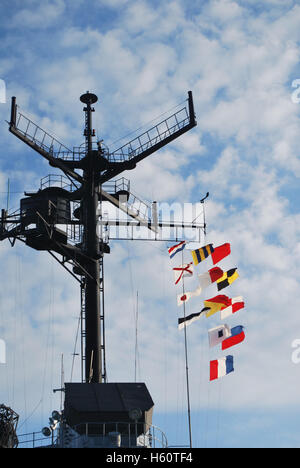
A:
(96, 413)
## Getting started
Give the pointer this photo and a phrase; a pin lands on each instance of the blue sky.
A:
(141, 57)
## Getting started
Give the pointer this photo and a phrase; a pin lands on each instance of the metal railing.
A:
(36, 439)
(115, 186)
(151, 137)
(57, 180)
(97, 435)
(36, 135)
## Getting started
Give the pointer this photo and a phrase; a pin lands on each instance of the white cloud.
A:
(112, 3)
(39, 16)
(245, 150)
(224, 11)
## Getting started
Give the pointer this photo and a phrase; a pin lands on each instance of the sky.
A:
(140, 57)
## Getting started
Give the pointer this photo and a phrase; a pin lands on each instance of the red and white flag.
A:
(210, 277)
(237, 336)
(186, 296)
(183, 271)
(237, 303)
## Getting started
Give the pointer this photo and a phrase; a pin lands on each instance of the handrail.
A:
(39, 136)
(151, 137)
(153, 437)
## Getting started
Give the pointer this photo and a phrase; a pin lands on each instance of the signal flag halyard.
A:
(222, 334)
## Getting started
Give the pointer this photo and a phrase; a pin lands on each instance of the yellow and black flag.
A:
(201, 254)
(229, 277)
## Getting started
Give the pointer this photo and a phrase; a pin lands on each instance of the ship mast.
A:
(90, 173)
(94, 369)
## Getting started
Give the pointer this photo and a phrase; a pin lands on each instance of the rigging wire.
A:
(179, 367)
(15, 338)
(30, 415)
(132, 291)
(165, 344)
(147, 123)
(218, 416)
(187, 367)
(216, 397)
(75, 347)
(136, 334)
(2, 327)
(207, 405)
(180, 409)
(62, 382)
(8, 195)
(208, 386)
(49, 327)
(53, 336)
(22, 343)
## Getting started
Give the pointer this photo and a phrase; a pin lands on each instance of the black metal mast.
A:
(50, 207)
(91, 248)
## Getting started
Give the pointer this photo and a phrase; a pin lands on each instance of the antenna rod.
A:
(191, 108)
(13, 115)
(8, 194)
(136, 334)
(62, 381)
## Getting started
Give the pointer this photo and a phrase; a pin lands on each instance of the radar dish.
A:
(89, 98)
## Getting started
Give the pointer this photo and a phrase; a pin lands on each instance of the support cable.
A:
(148, 123)
(187, 367)
(75, 348)
(136, 334)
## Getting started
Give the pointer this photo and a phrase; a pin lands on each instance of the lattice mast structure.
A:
(89, 179)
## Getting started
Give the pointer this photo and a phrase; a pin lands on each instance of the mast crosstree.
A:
(75, 199)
